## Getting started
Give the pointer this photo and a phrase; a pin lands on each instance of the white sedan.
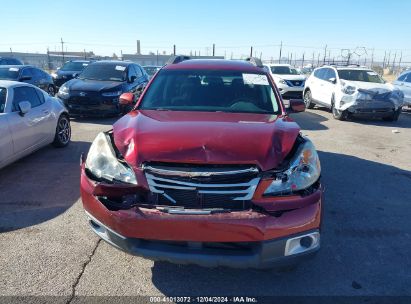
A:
(29, 119)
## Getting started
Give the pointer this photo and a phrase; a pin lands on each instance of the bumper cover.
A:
(265, 254)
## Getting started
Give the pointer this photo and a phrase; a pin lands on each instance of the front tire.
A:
(308, 100)
(63, 132)
(338, 114)
(394, 116)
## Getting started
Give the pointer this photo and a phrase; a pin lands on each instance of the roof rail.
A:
(177, 59)
(255, 61)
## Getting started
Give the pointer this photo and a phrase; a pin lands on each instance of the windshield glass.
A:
(283, 70)
(151, 70)
(74, 66)
(360, 75)
(9, 73)
(105, 72)
(210, 91)
(3, 92)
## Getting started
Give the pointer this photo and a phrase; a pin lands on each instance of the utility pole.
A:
(251, 52)
(62, 49)
(383, 62)
(281, 50)
(213, 49)
(393, 63)
(291, 59)
(372, 58)
(325, 54)
(312, 61)
(11, 52)
(302, 64)
(85, 55)
(399, 63)
(174, 49)
(48, 59)
(318, 60)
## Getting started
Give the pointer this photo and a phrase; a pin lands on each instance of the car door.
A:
(32, 129)
(328, 87)
(142, 79)
(41, 79)
(6, 141)
(27, 76)
(407, 88)
(316, 84)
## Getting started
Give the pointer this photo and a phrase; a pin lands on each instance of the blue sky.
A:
(108, 27)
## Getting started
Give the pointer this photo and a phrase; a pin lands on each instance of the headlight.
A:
(103, 163)
(64, 91)
(282, 81)
(347, 89)
(54, 75)
(111, 94)
(304, 170)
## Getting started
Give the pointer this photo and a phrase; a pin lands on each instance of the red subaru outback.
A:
(207, 169)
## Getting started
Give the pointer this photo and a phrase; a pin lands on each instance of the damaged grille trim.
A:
(156, 187)
(207, 173)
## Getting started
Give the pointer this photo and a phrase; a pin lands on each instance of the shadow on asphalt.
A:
(96, 120)
(40, 186)
(310, 121)
(365, 225)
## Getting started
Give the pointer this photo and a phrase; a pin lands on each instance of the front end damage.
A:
(374, 102)
(209, 215)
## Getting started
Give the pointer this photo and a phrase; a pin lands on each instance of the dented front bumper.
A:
(260, 238)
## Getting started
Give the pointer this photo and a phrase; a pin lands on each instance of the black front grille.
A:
(229, 188)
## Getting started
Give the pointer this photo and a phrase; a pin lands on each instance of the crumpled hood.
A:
(378, 88)
(92, 85)
(205, 138)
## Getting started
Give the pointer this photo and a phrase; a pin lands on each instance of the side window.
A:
(26, 73)
(131, 72)
(38, 73)
(3, 95)
(139, 73)
(408, 78)
(26, 94)
(331, 74)
(320, 73)
(402, 77)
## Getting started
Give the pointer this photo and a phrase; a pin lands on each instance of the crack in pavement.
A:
(83, 268)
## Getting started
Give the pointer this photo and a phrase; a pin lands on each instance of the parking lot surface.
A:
(47, 248)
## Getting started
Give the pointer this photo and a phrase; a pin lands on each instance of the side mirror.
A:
(25, 78)
(332, 80)
(126, 99)
(132, 79)
(24, 107)
(296, 106)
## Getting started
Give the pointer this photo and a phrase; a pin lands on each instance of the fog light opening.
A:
(302, 243)
(306, 242)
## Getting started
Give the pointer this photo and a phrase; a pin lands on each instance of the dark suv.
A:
(69, 70)
(96, 91)
(28, 74)
(207, 169)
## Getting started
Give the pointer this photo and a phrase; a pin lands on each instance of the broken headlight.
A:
(103, 163)
(304, 170)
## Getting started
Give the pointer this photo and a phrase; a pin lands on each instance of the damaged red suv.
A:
(207, 169)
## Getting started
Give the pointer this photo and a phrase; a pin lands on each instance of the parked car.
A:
(10, 61)
(68, 71)
(151, 69)
(97, 89)
(351, 91)
(289, 81)
(29, 119)
(403, 83)
(207, 169)
(28, 74)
